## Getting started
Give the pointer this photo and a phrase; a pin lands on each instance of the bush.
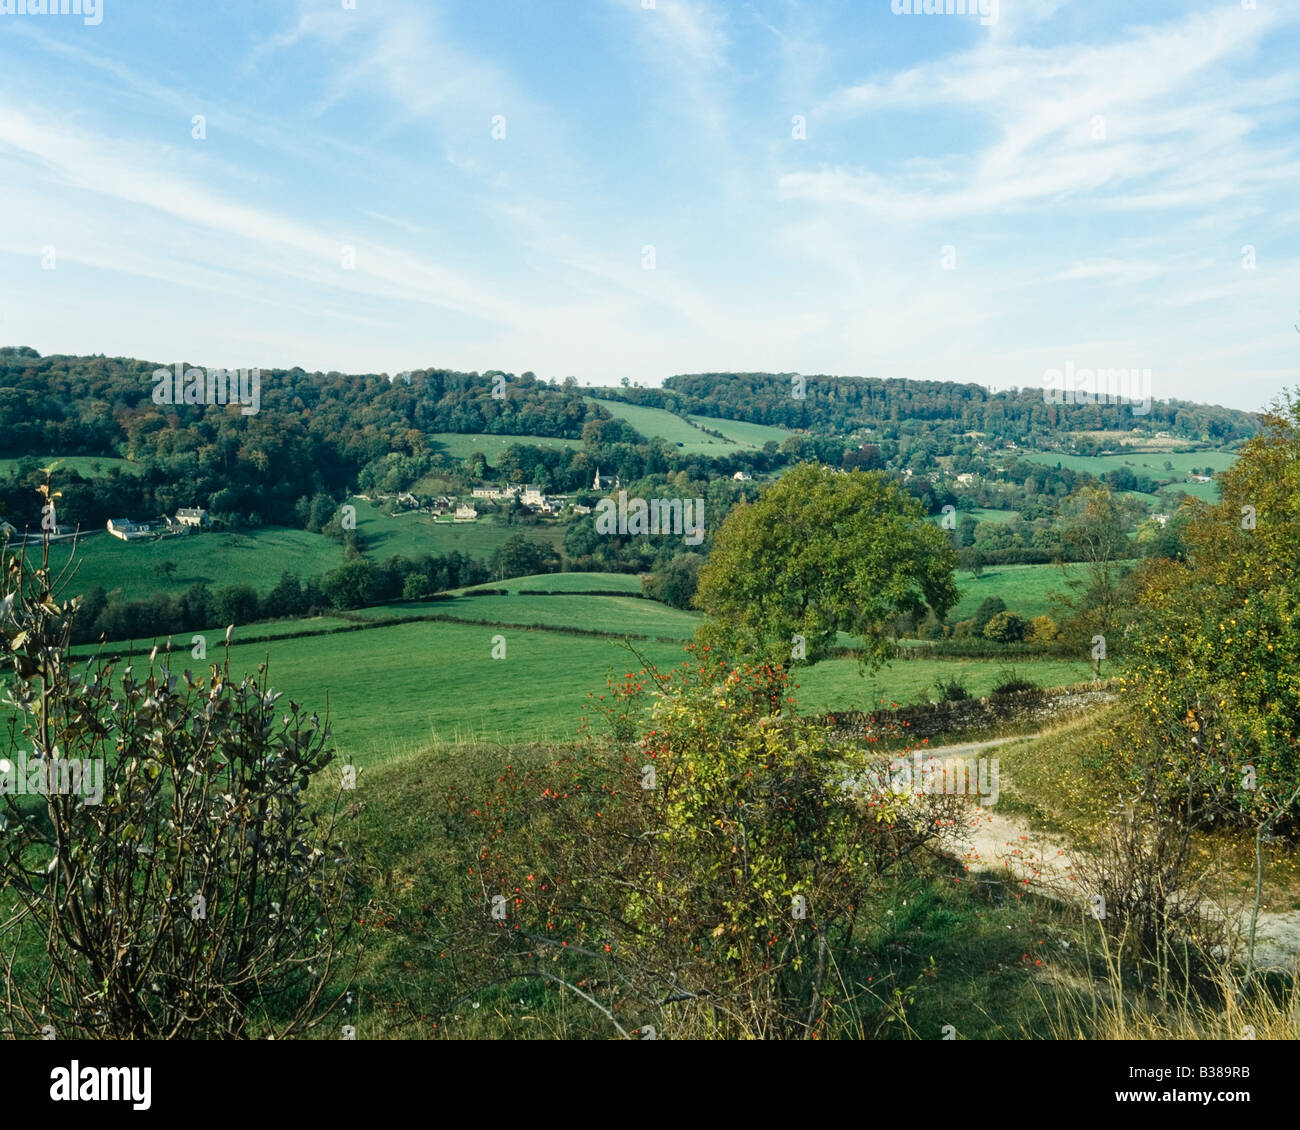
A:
(1006, 627)
(1043, 630)
(183, 890)
(951, 691)
(1013, 684)
(700, 869)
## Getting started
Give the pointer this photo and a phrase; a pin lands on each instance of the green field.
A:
(620, 615)
(396, 689)
(462, 445)
(413, 535)
(1151, 464)
(652, 422)
(742, 432)
(980, 514)
(258, 557)
(214, 559)
(1206, 492)
(87, 466)
(836, 684)
(569, 582)
(400, 687)
(1024, 588)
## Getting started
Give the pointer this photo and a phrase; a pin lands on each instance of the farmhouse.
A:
(534, 497)
(967, 477)
(1201, 478)
(192, 517)
(465, 514)
(743, 477)
(127, 530)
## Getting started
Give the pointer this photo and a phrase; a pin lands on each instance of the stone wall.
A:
(927, 720)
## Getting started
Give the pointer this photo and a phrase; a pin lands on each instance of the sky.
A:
(607, 189)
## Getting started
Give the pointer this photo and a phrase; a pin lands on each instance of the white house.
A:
(534, 497)
(966, 477)
(1201, 479)
(127, 530)
(1161, 518)
(192, 516)
(465, 514)
(743, 477)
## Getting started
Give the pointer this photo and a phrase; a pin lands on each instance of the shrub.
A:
(951, 691)
(702, 869)
(1006, 627)
(1014, 684)
(196, 897)
(1043, 630)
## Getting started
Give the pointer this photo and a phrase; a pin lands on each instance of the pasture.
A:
(216, 559)
(620, 615)
(412, 535)
(652, 422)
(403, 687)
(1024, 588)
(461, 446)
(87, 466)
(742, 432)
(1151, 464)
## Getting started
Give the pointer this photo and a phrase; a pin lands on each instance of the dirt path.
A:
(1043, 862)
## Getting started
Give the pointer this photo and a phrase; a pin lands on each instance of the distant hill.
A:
(846, 404)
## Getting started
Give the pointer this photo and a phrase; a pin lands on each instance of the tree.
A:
(989, 607)
(821, 552)
(1093, 527)
(521, 556)
(235, 604)
(676, 583)
(351, 585)
(1217, 638)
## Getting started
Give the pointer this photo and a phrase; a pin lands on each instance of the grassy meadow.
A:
(652, 422)
(461, 445)
(1151, 464)
(213, 558)
(87, 466)
(412, 535)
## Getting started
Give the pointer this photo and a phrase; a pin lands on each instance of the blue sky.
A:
(1096, 168)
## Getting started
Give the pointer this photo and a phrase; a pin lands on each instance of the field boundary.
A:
(926, 720)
